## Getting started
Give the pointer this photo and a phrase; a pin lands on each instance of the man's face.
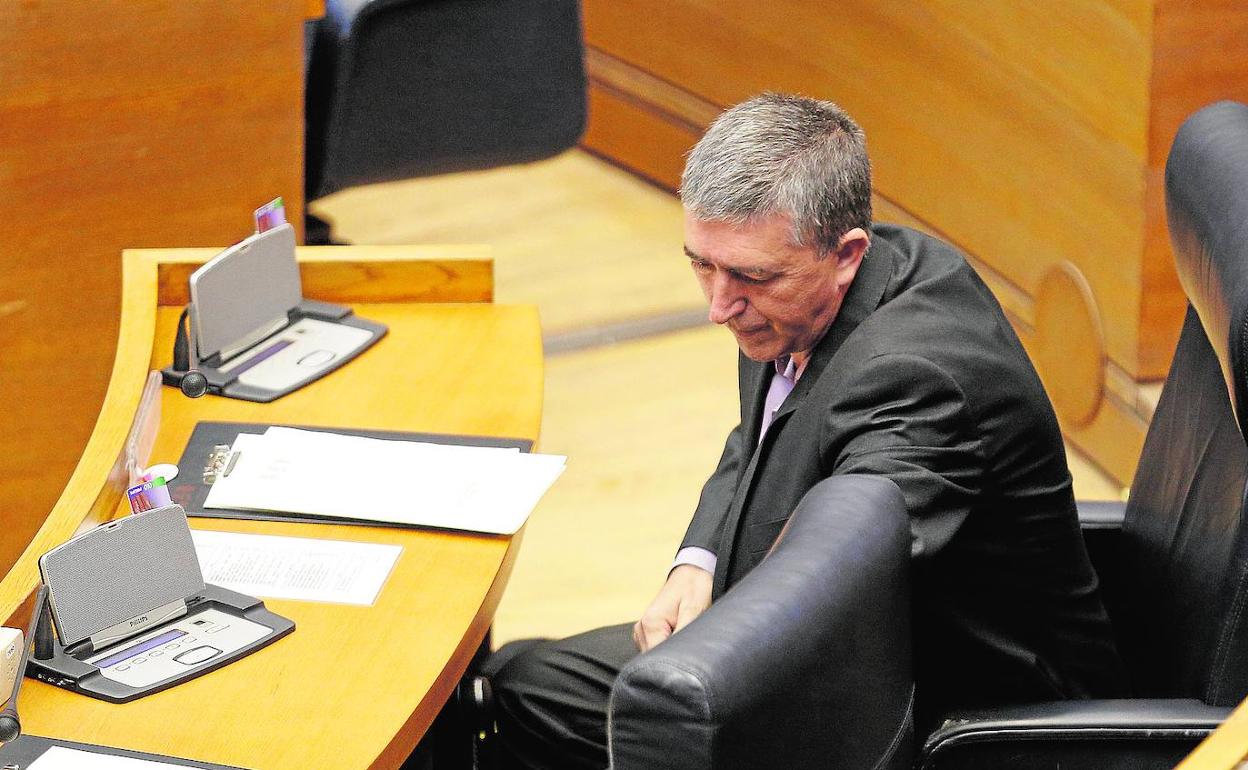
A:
(775, 297)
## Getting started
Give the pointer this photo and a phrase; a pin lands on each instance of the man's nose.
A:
(726, 300)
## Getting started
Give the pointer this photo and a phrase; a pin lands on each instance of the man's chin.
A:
(761, 358)
(756, 351)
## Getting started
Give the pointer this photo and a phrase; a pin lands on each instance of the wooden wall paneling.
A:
(612, 131)
(945, 107)
(624, 98)
(143, 123)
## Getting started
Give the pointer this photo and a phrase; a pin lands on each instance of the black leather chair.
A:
(805, 663)
(404, 88)
(1174, 563)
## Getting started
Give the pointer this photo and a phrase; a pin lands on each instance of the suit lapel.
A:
(754, 379)
(863, 298)
(728, 538)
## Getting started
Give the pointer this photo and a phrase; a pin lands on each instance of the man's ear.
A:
(848, 255)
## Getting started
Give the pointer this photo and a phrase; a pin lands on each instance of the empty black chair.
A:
(803, 664)
(405, 88)
(1176, 578)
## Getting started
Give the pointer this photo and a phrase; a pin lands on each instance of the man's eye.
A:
(700, 265)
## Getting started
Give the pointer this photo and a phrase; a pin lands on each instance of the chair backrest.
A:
(1181, 619)
(805, 663)
(405, 88)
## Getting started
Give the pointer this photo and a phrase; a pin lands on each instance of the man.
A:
(864, 349)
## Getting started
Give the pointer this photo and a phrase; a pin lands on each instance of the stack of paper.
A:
(295, 567)
(482, 489)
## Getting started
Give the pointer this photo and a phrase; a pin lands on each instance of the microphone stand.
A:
(10, 724)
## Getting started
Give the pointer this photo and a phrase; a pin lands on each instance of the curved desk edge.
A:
(444, 688)
(1226, 749)
(96, 486)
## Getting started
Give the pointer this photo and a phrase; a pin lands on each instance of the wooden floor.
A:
(640, 390)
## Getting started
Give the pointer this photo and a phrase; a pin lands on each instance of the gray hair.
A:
(782, 154)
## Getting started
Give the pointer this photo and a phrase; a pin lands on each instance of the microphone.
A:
(10, 723)
(193, 383)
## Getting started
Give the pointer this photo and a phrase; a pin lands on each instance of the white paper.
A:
(65, 758)
(302, 568)
(482, 489)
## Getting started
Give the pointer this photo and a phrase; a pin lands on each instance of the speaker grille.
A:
(120, 570)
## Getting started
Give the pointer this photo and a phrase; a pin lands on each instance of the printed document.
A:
(65, 758)
(309, 569)
(332, 475)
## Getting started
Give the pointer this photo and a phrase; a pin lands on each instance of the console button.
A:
(197, 655)
(317, 358)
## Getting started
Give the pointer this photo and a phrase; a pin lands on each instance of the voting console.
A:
(133, 616)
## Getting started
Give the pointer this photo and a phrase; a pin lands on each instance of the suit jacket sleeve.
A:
(903, 417)
(708, 519)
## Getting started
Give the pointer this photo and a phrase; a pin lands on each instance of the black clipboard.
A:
(200, 463)
(26, 749)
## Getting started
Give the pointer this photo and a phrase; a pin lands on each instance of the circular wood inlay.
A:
(1070, 344)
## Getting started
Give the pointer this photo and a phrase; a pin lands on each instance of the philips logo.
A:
(138, 620)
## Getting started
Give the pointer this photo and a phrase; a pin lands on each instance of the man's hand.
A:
(683, 597)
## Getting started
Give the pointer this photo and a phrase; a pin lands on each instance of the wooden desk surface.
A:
(352, 686)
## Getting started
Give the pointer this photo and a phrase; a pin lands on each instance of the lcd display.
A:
(140, 648)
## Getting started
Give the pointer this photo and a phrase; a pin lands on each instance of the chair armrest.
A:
(1101, 515)
(1139, 734)
(804, 663)
(1101, 523)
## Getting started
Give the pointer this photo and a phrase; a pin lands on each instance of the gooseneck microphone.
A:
(193, 383)
(10, 723)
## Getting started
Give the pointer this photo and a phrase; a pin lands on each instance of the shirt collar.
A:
(787, 368)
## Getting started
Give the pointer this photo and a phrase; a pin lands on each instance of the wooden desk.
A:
(353, 686)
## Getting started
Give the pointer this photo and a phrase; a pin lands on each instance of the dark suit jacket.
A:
(921, 379)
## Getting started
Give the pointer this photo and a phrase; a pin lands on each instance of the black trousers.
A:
(552, 697)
